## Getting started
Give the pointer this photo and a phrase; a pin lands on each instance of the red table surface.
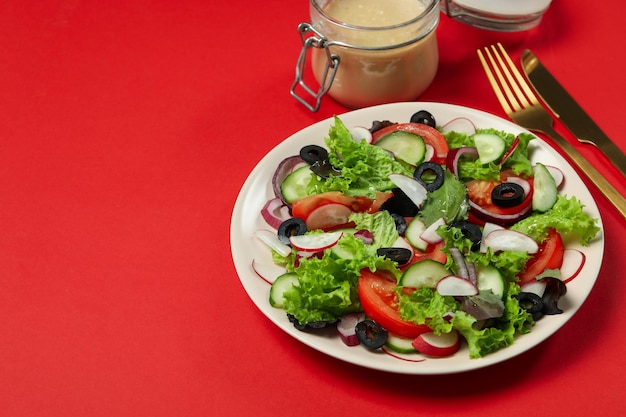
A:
(126, 132)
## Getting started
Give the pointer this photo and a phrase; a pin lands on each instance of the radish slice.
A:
(430, 234)
(537, 287)
(328, 216)
(557, 174)
(314, 242)
(431, 344)
(504, 239)
(360, 133)
(274, 212)
(430, 152)
(522, 183)
(402, 243)
(267, 271)
(456, 286)
(271, 239)
(346, 327)
(411, 187)
(573, 261)
(460, 124)
(509, 151)
(488, 228)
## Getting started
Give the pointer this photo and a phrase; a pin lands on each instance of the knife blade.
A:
(565, 108)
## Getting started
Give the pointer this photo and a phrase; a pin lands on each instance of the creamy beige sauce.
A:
(374, 13)
(366, 78)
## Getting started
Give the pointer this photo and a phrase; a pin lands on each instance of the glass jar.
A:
(367, 52)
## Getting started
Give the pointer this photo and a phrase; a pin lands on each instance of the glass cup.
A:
(367, 52)
(497, 15)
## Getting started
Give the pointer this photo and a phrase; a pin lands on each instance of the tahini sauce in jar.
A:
(391, 50)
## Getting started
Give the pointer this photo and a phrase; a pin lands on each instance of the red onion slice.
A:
(284, 168)
(501, 219)
(274, 212)
(452, 160)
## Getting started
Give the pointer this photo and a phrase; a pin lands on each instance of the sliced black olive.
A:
(371, 334)
(324, 168)
(507, 194)
(313, 153)
(311, 325)
(399, 255)
(400, 223)
(424, 117)
(399, 203)
(470, 230)
(291, 227)
(377, 125)
(532, 303)
(555, 289)
(432, 167)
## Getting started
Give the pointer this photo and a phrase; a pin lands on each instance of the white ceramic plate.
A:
(257, 190)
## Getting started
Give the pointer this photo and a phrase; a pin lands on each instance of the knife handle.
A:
(615, 198)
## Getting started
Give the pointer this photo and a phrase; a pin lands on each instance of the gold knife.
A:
(568, 111)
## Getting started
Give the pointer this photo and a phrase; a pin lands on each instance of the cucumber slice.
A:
(413, 233)
(490, 147)
(405, 146)
(545, 191)
(294, 185)
(400, 344)
(426, 273)
(282, 284)
(489, 278)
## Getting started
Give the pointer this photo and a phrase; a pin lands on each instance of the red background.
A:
(126, 132)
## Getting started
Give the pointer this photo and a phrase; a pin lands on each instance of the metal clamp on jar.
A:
(365, 52)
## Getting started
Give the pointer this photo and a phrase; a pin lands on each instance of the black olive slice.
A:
(377, 125)
(399, 255)
(470, 230)
(400, 223)
(324, 169)
(431, 167)
(507, 194)
(291, 227)
(532, 303)
(424, 117)
(371, 334)
(313, 153)
(399, 203)
(555, 289)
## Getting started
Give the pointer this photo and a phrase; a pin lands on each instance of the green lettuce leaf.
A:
(364, 168)
(327, 286)
(448, 201)
(567, 216)
(518, 160)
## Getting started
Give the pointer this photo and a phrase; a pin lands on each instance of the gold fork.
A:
(523, 107)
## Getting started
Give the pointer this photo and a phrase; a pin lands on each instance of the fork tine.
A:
(504, 102)
(510, 87)
(519, 78)
(517, 99)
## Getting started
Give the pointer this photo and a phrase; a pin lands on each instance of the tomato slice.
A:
(479, 192)
(433, 251)
(431, 137)
(549, 256)
(379, 302)
(304, 207)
